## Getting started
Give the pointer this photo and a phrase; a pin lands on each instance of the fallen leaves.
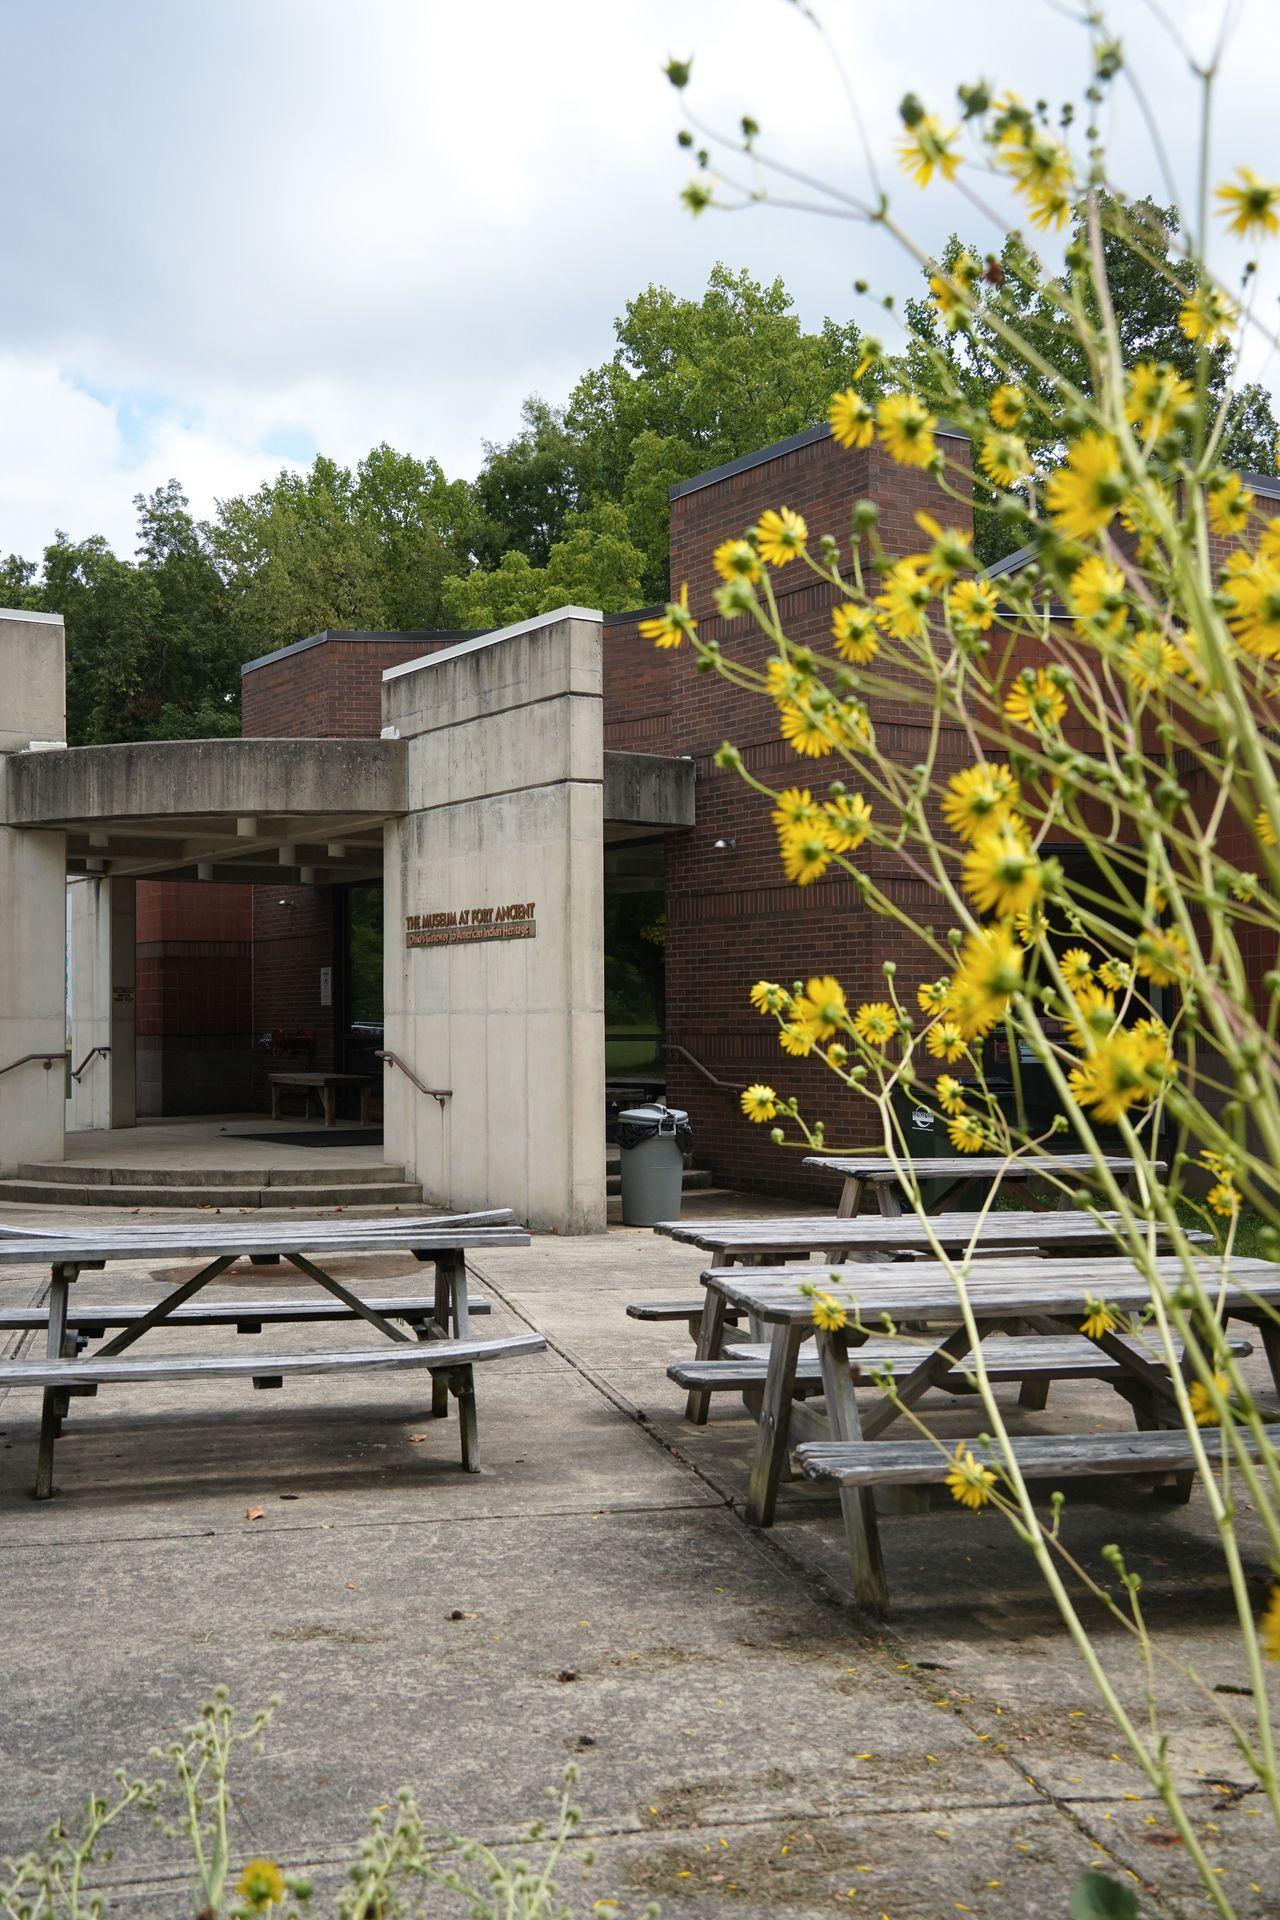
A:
(253, 1513)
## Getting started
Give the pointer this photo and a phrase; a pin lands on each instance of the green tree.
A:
(596, 564)
(526, 488)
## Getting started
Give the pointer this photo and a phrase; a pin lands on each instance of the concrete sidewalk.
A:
(748, 1747)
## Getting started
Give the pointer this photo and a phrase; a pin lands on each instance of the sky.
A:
(238, 232)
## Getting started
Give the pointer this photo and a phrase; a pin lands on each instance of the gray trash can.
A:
(652, 1143)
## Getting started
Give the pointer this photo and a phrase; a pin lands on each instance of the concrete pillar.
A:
(33, 916)
(494, 904)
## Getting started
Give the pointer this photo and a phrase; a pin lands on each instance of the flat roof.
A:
(764, 454)
(375, 636)
(472, 641)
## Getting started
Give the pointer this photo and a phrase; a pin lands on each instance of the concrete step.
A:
(695, 1179)
(328, 1172)
(364, 1194)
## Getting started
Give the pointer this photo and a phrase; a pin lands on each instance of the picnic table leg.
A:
(329, 1101)
(464, 1385)
(1270, 1346)
(889, 1197)
(857, 1504)
(710, 1338)
(850, 1198)
(775, 1422)
(52, 1400)
(275, 1101)
(451, 1316)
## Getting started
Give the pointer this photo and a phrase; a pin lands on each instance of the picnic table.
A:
(437, 1336)
(837, 1236)
(873, 1171)
(325, 1086)
(1051, 1296)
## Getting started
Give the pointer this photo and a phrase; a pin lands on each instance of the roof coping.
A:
(475, 641)
(374, 635)
(792, 444)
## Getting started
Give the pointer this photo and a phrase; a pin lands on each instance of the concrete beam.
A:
(648, 789)
(231, 778)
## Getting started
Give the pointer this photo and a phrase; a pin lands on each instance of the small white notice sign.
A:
(326, 986)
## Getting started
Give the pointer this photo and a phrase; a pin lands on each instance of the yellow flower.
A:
(736, 560)
(1082, 497)
(968, 1133)
(1032, 925)
(1207, 316)
(1093, 1007)
(1269, 1627)
(780, 535)
(1230, 506)
(669, 627)
(805, 856)
(1036, 703)
(1249, 205)
(855, 633)
(929, 148)
(988, 975)
(1122, 1069)
(795, 1040)
(1161, 955)
(822, 1008)
(1051, 207)
(851, 418)
(931, 995)
(768, 997)
(1002, 874)
(1077, 966)
(950, 551)
(1154, 395)
(1115, 974)
(1202, 1406)
(875, 1023)
(1099, 1318)
(1149, 661)
(905, 600)
(828, 1314)
(979, 797)
(795, 808)
(1263, 828)
(946, 1041)
(261, 1884)
(847, 821)
(1224, 1199)
(906, 429)
(807, 733)
(1007, 406)
(950, 1094)
(972, 605)
(1097, 596)
(1253, 591)
(969, 1483)
(759, 1103)
(1004, 459)
(1038, 163)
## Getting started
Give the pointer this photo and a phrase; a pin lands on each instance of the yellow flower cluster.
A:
(969, 1482)
(811, 831)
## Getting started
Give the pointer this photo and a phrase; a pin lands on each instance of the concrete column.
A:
(89, 999)
(494, 903)
(33, 915)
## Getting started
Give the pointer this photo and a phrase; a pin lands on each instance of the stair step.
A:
(365, 1195)
(328, 1172)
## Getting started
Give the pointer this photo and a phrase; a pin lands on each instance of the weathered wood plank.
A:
(799, 1235)
(139, 1369)
(240, 1313)
(875, 1167)
(920, 1463)
(196, 1242)
(857, 1504)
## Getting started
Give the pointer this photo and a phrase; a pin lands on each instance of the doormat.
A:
(317, 1137)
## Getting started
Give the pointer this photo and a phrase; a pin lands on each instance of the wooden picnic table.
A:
(1050, 1296)
(838, 1236)
(325, 1086)
(873, 1171)
(441, 1240)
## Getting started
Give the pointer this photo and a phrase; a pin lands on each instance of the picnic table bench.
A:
(1051, 1296)
(325, 1087)
(437, 1336)
(865, 1171)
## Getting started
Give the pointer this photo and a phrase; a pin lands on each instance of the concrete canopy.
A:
(248, 810)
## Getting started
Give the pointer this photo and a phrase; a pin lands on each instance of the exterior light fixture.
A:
(725, 846)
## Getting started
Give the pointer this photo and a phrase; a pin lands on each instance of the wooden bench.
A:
(451, 1361)
(246, 1316)
(687, 1310)
(1065, 1356)
(325, 1086)
(859, 1466)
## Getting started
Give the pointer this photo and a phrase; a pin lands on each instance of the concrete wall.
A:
(505, 767)
(33, 909)
(89, 999)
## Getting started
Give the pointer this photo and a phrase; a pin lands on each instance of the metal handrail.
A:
(438, 1094)
(46, 1060)
(721, 1086)
(92, 1054)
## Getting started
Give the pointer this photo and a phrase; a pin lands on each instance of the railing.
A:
(94, 1053)
(46, 1060)
(439, 1094)
(683, 1053)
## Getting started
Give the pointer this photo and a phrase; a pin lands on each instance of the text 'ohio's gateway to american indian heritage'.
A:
(515, 922)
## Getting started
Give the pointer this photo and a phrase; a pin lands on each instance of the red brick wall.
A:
(731, 916)
(194, 978)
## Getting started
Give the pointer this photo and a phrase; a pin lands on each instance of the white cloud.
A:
(237, 231)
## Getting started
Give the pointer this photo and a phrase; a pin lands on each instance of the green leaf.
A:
(1096, 1896)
